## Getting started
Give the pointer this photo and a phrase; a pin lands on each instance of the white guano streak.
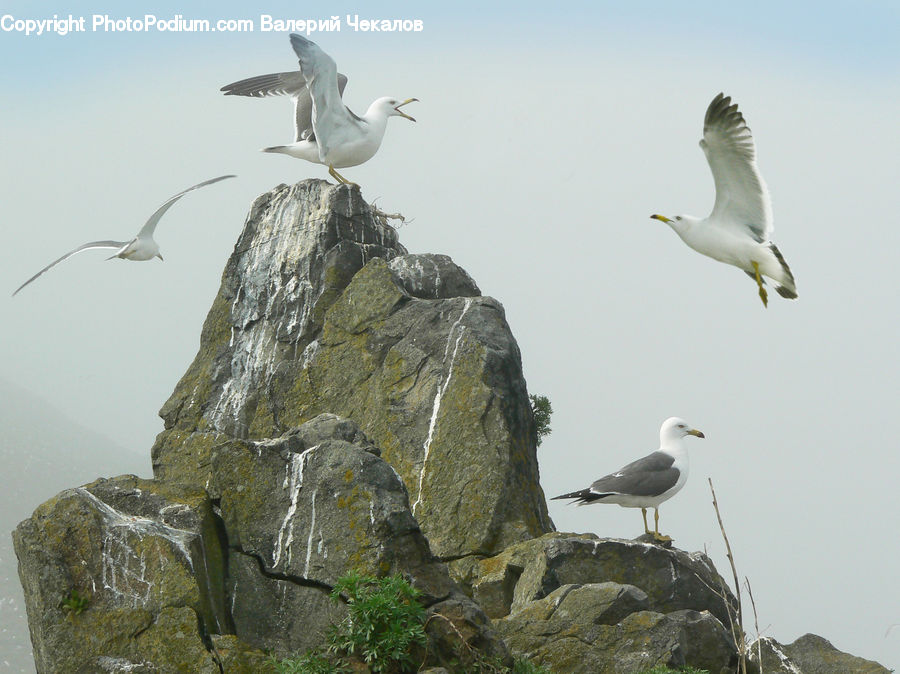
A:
(124, 570)
(438, 396)
(265, 309)
(293, 482)
(312, 528)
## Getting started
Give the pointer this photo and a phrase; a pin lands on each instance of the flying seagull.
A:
(649, 481)
(325, 130)
(141, 247)
(739, 229)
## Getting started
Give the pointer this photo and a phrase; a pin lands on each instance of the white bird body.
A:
(356, 149)
(649, 481)
(739, 229)
(141, 248)
(671, 443)
(724, 243)
(325, 130)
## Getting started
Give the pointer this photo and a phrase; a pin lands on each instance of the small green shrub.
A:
(75, 603)
(541, 409)
(385, 625)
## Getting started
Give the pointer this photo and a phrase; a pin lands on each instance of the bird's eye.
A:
(678, 217)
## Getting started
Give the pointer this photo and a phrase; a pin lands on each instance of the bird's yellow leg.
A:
(763, 295)
(341, 179)
(658, 536)
(646, 528)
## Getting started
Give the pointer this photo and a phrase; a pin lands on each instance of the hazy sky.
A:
(546, 137)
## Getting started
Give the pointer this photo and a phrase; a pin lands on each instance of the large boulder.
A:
(116, 569)
(311, 318)
(809, 654)
(672, 579)
(605, 627)
(578, 603)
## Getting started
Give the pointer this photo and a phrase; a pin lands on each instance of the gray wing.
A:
(320, 72)
(742, 198)
(150, 225)
(291, 84)
(648, 476)
(117, 245)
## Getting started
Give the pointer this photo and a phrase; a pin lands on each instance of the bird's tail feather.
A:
(788, 288)
(784, 291)
(583, 496)
(276, 148)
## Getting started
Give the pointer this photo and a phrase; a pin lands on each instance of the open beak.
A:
(403, 114)
(695, 432)
(662, 218)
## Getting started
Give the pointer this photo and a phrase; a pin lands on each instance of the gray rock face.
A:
(275, 614)
(433, 277)
(339, 507)
(810, 654)
(336, 505)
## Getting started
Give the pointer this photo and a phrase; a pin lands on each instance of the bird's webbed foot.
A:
(763, 295)
(341, 179)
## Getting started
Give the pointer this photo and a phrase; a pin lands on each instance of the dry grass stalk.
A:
(737, 622)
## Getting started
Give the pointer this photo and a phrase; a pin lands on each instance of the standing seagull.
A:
(325, 130)
(649, 481)
(739, 229)
(141, 247)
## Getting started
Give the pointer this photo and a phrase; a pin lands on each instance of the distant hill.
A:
(42, 452)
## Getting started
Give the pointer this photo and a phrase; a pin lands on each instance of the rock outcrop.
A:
(352, 407)
(321, 310)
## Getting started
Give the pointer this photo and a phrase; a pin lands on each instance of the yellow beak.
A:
(661, 218)
(403, 114)
(696, 433)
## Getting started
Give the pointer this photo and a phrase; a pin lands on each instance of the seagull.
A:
(649, 481)
(325, 130)
(142, 247)
(739, 229)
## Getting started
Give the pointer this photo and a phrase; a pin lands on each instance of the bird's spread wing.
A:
(329, 112)
(742, 199)
(291, 84)
(150, 225)
(303, 108)
(117, 245)
(274, 84)
(649, 476)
